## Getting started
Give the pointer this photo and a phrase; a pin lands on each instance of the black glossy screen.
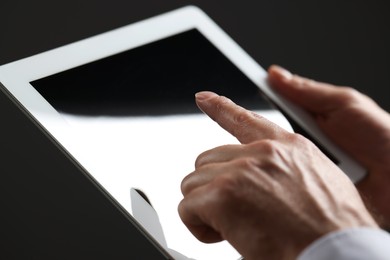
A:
(159, 78)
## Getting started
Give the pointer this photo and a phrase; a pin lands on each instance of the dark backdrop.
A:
(344, 42)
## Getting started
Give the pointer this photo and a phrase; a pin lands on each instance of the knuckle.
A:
(244, 120)
(213, 155)
(349, 95)
(297, 139)
(310, 83)
(303, 144)
(222, 103)
(201, 160)
(266, 146)
(186, 184)
(247, 118)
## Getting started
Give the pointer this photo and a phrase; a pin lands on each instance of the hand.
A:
(269, 197)
(352, 121)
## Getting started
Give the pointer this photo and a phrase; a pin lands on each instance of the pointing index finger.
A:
(245, 125)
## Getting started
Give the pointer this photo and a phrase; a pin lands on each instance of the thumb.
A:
(315, 97)
(245, 125)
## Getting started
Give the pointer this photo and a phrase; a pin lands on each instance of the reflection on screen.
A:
(139, 126)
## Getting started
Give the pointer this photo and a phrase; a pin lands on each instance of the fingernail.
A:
(204, 95)
(282, 73)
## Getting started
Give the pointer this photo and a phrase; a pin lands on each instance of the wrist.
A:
(352, 219)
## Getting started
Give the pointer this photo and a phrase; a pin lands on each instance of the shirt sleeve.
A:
(350, 244)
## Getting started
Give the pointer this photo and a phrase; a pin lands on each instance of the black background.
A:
(344, 42)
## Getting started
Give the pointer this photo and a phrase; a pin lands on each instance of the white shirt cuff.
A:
(355, 243)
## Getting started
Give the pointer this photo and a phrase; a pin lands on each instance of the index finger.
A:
(243, 124)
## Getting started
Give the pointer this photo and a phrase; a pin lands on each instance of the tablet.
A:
(122, 103)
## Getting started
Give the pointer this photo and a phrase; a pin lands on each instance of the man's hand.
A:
(352, 121)
(269, 197)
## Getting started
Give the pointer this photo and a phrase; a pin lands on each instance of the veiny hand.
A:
(355, 123)
(269, 197)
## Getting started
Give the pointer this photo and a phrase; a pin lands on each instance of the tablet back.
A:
(50, 207)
